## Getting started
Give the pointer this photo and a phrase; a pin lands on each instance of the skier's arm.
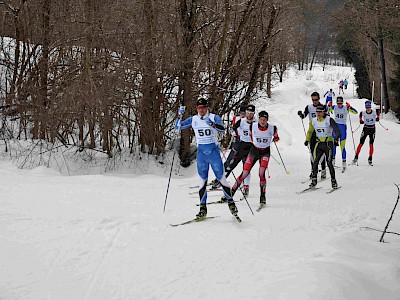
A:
(335, 127)
(361, 118)
(310, 131)
(326, 93)
(330, 107)
(306, 112)
(217, 124)
(351, 108)
(276, 136)
(180, 125)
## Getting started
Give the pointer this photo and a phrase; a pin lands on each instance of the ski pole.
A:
(173, 158)
(281, 158)
(356, 129)
(169, 179)
(352, 135)
(383, 126)
(244, 196)
(303, 127)
(275, 160)
(305, 134)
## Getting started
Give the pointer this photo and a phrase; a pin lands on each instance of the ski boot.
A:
(311, 175)
(355, 159)
(334, 184)
(203, 212)
(232, 207)
(245, 190)
(344, 165)
(323, 174)
(370, 160)
(313, 183)
(223, 200)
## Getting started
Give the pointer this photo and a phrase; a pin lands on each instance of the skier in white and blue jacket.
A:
(206, 127)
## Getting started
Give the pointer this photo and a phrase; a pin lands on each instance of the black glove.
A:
(336, 142)
(306, 143)
(300, 114)
(361, 122)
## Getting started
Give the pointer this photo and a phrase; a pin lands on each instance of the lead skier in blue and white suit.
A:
(206, 127)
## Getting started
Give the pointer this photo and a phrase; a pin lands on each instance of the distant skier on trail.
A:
(368, 117)
(323, 126)
(262, 135)
(206, 126)
(341, 112)
(310, 110)
(346, 83)
(329, 96)
(341, 84)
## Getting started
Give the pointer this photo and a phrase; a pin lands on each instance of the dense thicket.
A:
(112, 73)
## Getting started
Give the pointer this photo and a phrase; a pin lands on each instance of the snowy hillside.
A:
(106, 237)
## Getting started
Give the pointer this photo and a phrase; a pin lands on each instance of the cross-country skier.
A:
(242, 127)
(323, 126)
(341, 112)
(206, 126)
(346, 83)
(262, 135)
(329, 96)
(236, 135)
(368, 117)
(310, 110)
(341, 84)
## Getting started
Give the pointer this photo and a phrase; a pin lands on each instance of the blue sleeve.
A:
(185, 124)
(219, 125)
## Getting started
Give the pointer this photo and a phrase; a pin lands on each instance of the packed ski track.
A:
(105, 236)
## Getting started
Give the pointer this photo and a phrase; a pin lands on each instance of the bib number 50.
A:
(204, 132)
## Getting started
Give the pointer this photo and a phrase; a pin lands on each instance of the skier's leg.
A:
(218, 169)
(264, 160)
(202, 170)
(328, 149)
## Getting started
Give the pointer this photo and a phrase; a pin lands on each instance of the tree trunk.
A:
(382, 65)
(260, 55)
(188, 19)
(269, 77)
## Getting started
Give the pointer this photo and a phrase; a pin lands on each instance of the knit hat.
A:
(202, 101)
(263, 114)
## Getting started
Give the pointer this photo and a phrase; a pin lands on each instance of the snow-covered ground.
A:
(105, 236)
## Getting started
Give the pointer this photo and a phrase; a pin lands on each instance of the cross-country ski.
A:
(195, 220)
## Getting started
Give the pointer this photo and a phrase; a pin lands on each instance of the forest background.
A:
(110, 75)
